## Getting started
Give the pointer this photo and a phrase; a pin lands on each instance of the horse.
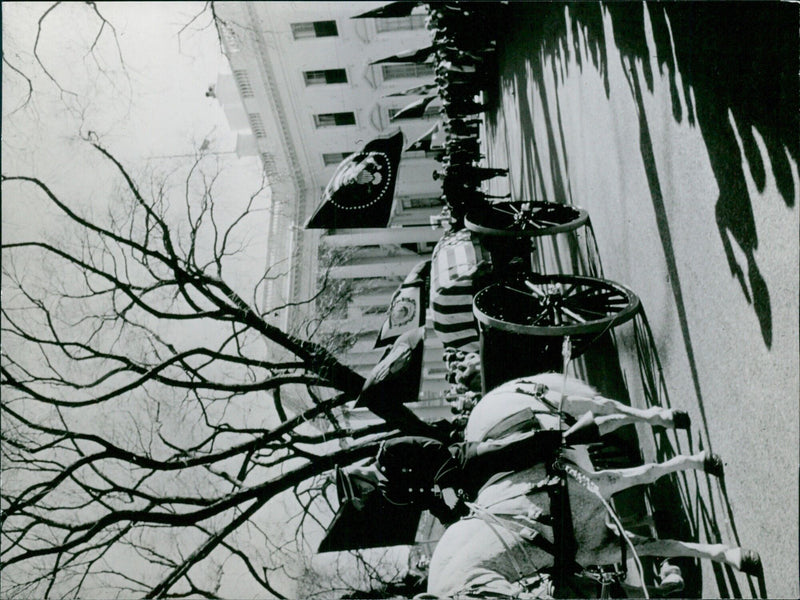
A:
(508, 540)
(535, 401)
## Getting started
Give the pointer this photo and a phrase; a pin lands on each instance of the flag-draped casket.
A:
(457, 261)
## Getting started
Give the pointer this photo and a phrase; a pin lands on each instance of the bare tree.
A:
(377, 573)
(144, 430)
(103, 54)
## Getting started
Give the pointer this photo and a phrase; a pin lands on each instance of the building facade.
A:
(303, 95)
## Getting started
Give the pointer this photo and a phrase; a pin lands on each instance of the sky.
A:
(143, 99)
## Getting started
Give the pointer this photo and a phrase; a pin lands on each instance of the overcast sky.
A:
(145, 99)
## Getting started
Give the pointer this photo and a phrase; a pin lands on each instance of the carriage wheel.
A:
(525, 219)
(554, 305)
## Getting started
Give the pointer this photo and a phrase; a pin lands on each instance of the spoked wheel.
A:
(554, 305)
(525, 219)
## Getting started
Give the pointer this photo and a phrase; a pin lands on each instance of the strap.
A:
(492, 521)
(565, 545)
(531, 536)
(592, 487)
(540, 394)
(522, 420)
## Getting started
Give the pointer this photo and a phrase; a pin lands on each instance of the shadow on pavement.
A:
(723, 78)
(741, 93)
(686, 506)
(703, 500)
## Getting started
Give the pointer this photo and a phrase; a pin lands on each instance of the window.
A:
(436, 372)
(243, 82)
(335, 119)
(314, 29)
(257, 125)
(409, 202)
(325, 77)
(400, 23)
(402, 70)
(430, 111)
(334, 158)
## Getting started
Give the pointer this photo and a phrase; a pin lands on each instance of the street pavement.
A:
(720, 333)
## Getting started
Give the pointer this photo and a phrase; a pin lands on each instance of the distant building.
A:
(303, 95)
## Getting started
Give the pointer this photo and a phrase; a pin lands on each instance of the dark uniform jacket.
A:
(416, 469)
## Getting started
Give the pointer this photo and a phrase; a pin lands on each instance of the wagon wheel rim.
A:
(525, 219)
(554, 305)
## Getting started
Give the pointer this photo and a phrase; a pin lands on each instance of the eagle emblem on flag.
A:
(361, 191)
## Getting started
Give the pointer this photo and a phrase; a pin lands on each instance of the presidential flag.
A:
(361, 191)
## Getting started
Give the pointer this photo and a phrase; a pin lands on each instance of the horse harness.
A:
(563, 548)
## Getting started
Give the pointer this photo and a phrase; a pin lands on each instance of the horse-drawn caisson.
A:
(535, 516)
(525, 490)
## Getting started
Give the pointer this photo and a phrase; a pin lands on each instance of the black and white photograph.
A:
(424, 300)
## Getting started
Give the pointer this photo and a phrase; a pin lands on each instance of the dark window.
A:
(312, 29)
(409, 202)
(404, 70)
(325, 28)
(400, 23)
(335, 119)
(325, 77)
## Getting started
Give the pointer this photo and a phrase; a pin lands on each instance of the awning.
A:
(361, 191)
(415, 110)
(420, 55)
(393, 9)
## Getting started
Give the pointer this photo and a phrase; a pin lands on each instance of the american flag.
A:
(457, 260)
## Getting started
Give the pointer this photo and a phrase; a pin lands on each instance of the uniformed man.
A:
(440, 478)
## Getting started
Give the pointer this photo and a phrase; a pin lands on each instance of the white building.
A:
(304, 95)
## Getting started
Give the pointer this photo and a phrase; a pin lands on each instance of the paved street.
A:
(715, 263)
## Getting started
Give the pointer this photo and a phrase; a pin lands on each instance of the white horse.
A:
(507, 407)
(504, 541)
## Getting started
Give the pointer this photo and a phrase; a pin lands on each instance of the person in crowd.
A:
(469, 173)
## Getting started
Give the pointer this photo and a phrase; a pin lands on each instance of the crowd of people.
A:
(464, 65)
